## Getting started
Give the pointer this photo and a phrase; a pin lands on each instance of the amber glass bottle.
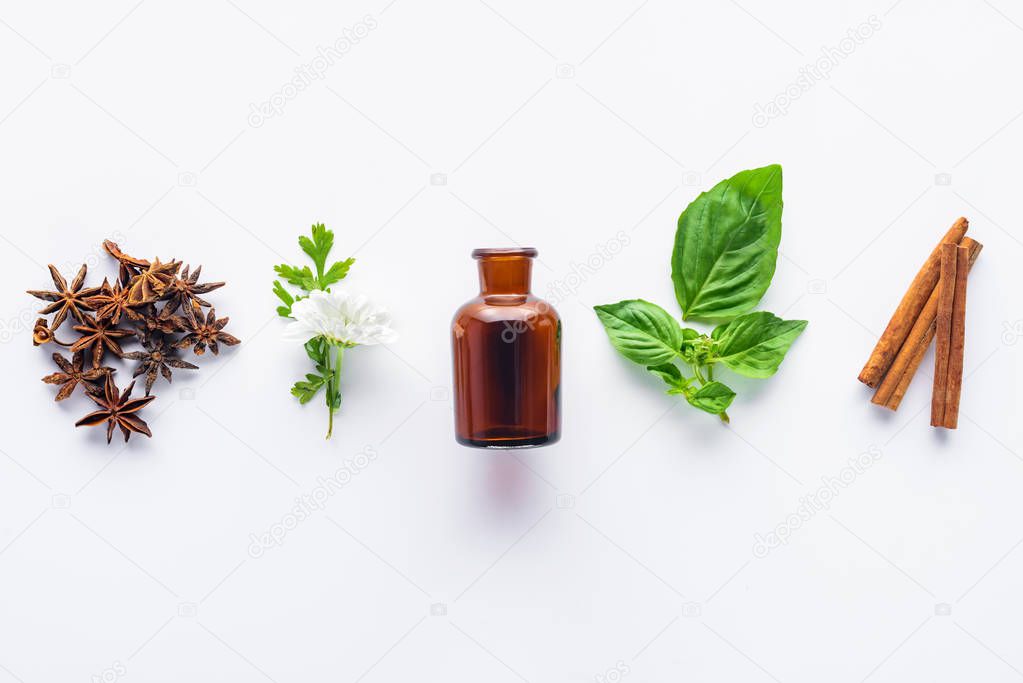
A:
(507, 358)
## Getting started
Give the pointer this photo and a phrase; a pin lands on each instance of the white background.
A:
(631, 542)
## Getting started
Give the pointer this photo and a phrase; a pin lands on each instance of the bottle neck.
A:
(505, 275)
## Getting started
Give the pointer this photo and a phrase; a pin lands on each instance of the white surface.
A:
(134, 563)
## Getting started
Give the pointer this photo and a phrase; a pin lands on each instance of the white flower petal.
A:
(298, 330)
(341, 316)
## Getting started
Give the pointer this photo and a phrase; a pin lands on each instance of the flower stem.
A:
(337, 372)
(333, 386)
(330, 403)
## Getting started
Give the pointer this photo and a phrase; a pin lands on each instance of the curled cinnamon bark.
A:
(954, 384)
(909, 310)
(943, 332)
(896, 382)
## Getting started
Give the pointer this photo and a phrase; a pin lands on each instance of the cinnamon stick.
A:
(955, 359)
(909, 310)
(917, 358)
(943, 332)
(896, 382)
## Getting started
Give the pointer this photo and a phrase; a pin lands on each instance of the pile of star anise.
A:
(158, 305)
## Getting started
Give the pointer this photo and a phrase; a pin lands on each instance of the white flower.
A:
(342, 317)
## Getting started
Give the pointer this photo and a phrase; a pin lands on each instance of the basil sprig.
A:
(723, 260)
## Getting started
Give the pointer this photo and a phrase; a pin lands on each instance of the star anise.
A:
(100, 335)
(157, 358)
(112, 302)
(183, 292)
(159, 304)
(164, 322)
(42, 334)
(117, 411)
(71, 375)
(66, 299)
(208, 332)
(129, 265)
(149, 284)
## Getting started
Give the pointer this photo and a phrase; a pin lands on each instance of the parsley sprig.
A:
(326, 354)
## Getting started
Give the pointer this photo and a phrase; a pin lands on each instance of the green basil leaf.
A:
(726, 245)
(689, 335)
(712, 397)
(641, 331)
(754, 344)
(671, 375)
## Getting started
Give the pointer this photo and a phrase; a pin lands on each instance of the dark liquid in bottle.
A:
(507, 358)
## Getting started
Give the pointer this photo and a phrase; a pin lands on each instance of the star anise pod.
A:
(66, 299)
(129, 265)
(208, 332)
(183, 292)
(157, 358)
(149, 284)
(100, 335)
(112, 302)
(164, 322)
(117, 411)
(42, 334)
(71, 375)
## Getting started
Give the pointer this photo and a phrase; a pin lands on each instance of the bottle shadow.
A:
(511, 486)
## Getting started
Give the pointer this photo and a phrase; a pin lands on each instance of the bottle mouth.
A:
(526, 252)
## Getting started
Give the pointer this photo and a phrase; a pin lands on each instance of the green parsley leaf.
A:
(300, 277)
(337, 272)
(285, 296)
(306, 390)
(319, 246)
